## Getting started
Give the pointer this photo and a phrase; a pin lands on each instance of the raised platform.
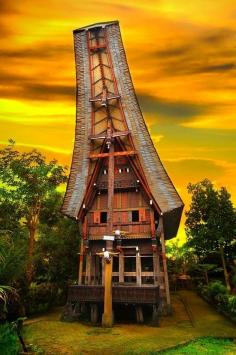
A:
(85, 299)
(120, 294)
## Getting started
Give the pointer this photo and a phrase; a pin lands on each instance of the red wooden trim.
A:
(115, 154)
(91, 75)
(142, 214)
(152, 222)
(96, 217)
(98, 46)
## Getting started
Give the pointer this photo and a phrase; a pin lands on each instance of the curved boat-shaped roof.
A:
(160, 185)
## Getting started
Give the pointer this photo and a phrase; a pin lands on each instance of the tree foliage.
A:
(211, 221)
(26, 180)
(56, 255)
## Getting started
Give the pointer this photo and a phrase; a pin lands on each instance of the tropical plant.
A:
(211, 222)
(27, 179)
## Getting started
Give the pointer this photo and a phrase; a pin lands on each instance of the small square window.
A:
(135, 216)
(103, 218)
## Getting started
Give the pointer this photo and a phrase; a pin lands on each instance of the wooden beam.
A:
(94, 313)
(114, 134)
(88, 270)
(138, 270)
(103, 271)
(80, 264)
(107, 317)
(139, 313)
(114, 154)
(93, 269)
(121, 267)
(97, 269)
(167, 290)
(156, 267)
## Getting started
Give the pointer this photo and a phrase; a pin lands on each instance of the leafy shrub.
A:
(217, 293)
(40, 297)
(232, 305)
(216, 288)
(9, 343)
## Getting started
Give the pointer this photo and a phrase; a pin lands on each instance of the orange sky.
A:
(182, 57)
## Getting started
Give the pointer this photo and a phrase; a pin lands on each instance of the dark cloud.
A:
(7, 9)
(174, 111)
(38, 91)
(213, 52)
(173, 52)
(219, 35)
(218, 68)
(49, 92)
(17, 82)
(42, 51)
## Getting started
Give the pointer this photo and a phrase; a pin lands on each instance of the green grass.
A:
(208, 345)
(55, 337)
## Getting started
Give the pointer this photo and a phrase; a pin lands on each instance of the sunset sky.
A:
(182, 58)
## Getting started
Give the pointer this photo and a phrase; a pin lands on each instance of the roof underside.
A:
(159, 183)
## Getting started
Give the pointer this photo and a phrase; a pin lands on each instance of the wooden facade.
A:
(117, 186)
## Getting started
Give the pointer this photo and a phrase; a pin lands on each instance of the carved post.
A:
(107, 317)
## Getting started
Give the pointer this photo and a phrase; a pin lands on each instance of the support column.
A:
(97, 270)
(94, 313)
(103, 272)
(156, 258)
(167, 290)
(121, 267)
(107, 317)
(80, 271)
(92, 270)
(88, 270)
(138, 269)
(139, 314)
(156, 267)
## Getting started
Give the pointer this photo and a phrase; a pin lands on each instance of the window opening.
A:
(103, 218)
(135, 216)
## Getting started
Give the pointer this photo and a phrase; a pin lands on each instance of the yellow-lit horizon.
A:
(182, 58)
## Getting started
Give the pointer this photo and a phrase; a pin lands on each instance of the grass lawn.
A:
(208, 345)
(54, 337)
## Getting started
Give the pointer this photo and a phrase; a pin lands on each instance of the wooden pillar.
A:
(88, 270)
(155, 316)
(138, 269)
(167, 290)
(92, 269)
(94, 313)
(103, 272)
(107, 317)
(156, 267)
(121, 267)
(80, 264)
(156, 259)
(97, 270)
(139, 314)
